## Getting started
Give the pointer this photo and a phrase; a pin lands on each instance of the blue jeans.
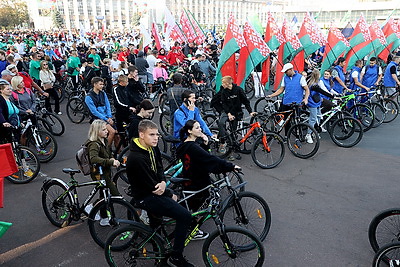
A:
(315, 116)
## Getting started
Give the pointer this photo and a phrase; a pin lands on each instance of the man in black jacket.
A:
(232, 99)
(122, 108)
(146, 176)
(142, 65)
(135, 88)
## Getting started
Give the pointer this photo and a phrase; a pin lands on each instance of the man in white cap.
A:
(295, 87)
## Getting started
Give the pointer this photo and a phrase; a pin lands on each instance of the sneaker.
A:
(222, 148)
(159, 110)
(309, 139)
(179, 261)
(200, 235)
(88, 208)
(59, 113)
(323, 130)
(105, 222)
(231, 158)
(152, 95)
(144, 217)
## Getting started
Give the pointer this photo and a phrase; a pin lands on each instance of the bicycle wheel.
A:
(391, 110)
(76, 110)
(46, 146)
(116, 209)
(123, 156)
(166, 124)
(235, 179)
(231, 248)
(384, 228)
(297, 142)
(379, 114)
(249, 87)
(388, 255)
(134, 245)
(60, 92)
(268, 150)
(346, 132)
(364, 115)
(211, 121)
(57, 126)
(57, 203)
(28, 166)
(121, 181)
(249, 211)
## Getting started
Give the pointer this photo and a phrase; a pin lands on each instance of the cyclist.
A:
(355, 77)
(232, 99)
(188, 111)
(23, 98)
(338, 76)
(122, 109)
(371, 75)
(73, 64)
(174, 94)
(144, 110)
(146, 176)
(8, 111)
(135, 87)
(99, 106)
(295, 87)
(47, 78)
(197, 162)
(390, 80)
(101, 160)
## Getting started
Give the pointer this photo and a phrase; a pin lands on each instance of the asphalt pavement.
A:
(321, 207)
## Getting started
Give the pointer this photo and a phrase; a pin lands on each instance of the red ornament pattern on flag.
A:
(236, 32)
(290, 36)
(187, 27)
(364, 28)
(275, 29)
(255, 39)
(375, 28)
(339, 35)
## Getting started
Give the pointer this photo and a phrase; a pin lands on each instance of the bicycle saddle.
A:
(177, 180)
(71, 171)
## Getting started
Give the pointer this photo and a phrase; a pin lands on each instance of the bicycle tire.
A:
(123, 156)
(166, 125)
(296, 140)
(211, 121)
(76, 110)
(28, 166)
(121, 246)
(57, 203)
(121, 181)
(60, 92)
(164, 103)
(384, 228)
(346, 132)
(256, 215)
(57, 126)
(391, 110)
(388, 255)
(215, 253)
(364, 115)
(48, 147)
(271, 155)
(121, 209)
(214, 147)
(249, 87)
(379, 114)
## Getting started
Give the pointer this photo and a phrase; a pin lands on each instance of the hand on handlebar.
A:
(238, 168)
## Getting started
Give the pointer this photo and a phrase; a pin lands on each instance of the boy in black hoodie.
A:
(146, 176)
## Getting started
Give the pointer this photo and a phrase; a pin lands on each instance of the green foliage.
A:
(13, 13)
(58, 20)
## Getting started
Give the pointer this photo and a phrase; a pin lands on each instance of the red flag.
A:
(292, 46)
(102, 31)
(200, 37)
(274, 38)
(157, 38)
(279, 67)
(177, 34)
(309, 35)
(187, 27)
(298, 61)
(390, 31)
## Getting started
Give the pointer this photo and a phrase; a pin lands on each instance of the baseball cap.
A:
(3, 82)
(287, 66)
(11, 66)
(157, 61)
(7, 72)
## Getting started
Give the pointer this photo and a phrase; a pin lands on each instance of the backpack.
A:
(82, 159)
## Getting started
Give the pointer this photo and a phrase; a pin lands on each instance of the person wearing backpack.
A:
(100, 158)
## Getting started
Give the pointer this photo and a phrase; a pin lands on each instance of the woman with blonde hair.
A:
(47, 78)
(101, 160)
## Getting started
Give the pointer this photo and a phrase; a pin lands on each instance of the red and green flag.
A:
(187, 27)
(200, 36)
(378, 39)
(391, 33)
(360, 43)
(336, 44)
(233, 42)
(157, 38)
(255, 52)
(292, 46)
(309, 35)
(274, 38)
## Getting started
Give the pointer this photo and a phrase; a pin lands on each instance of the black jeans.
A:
(52, 93)
(158, 206)
(222, 132)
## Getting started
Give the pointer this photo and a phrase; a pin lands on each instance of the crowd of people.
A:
(31, 63)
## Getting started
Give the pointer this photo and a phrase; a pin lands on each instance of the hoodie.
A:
(198, 164)
(141, 64)
(144, 170)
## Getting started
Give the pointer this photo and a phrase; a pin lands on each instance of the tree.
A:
(58, 20)
(13, 13)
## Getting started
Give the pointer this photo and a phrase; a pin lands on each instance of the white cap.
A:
(158, 60)
(287, 66)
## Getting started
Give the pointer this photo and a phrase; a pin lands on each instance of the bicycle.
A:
(61, 206)
(388, 255)
(40, 141)
(137, 244)
(390, 106)
(384, 228)
(48, 120)
(27, 162)
(297, 132)
(77, 109)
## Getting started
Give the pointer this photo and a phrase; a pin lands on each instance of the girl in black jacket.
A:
(197, 162)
